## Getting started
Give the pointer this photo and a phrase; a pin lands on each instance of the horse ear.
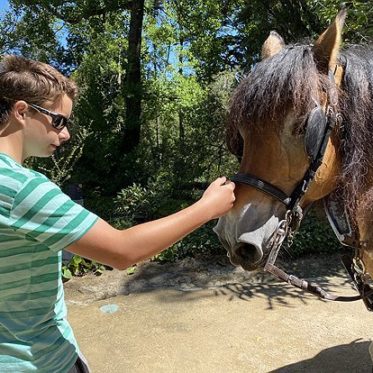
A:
(272, 45)
(327, 46)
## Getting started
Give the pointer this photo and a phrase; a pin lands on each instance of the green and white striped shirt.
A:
(37, 221)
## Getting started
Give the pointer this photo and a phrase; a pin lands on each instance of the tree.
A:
(147, 71)
(48, 14)
(133, 86)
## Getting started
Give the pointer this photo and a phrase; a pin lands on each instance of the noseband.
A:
(326, 120)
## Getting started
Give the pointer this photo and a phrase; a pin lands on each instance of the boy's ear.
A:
(19, 110)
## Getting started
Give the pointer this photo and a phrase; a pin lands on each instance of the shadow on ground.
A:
(344, 358)
(218, 274)
(191, 275)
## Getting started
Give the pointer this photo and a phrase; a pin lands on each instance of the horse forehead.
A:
(277, 136)
(288, 126)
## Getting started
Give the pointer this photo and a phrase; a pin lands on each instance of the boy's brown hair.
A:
(32, 81)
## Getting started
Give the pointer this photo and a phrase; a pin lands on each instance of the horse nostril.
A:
(249, 253)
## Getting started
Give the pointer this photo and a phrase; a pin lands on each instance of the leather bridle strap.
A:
(310, 287)
(299, 191)
(263, 186)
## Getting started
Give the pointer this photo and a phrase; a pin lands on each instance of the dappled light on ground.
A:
(233, 283)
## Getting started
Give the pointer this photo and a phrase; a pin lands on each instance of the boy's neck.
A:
(12, 154)
(11, 145)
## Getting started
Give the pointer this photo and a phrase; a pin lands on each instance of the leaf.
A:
(131, 270)
(66, 273)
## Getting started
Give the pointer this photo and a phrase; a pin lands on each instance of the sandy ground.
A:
(207, 316)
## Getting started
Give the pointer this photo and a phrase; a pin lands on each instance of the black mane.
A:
(356, 105)
(291, 79)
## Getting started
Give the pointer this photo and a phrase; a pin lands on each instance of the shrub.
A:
(203, 241)
(79, 266)
(314, 236)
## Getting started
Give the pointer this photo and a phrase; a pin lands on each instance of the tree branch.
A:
(74, 14)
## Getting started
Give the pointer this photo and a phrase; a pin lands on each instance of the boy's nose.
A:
(64, 135)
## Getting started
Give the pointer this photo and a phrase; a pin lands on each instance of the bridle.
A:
(327, 120)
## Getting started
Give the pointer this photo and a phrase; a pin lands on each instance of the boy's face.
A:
(41, 139)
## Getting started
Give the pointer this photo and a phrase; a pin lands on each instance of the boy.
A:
(37, 221)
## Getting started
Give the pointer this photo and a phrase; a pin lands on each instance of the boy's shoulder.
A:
(11, 172)
(17, 184)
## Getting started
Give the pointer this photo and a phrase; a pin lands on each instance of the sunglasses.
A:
(59, 121)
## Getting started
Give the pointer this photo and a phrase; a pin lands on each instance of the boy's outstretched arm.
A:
(122, 248)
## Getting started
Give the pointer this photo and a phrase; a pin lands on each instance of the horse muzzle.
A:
(248, 253)
(247, 249)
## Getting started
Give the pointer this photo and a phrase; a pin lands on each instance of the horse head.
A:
(277, 117)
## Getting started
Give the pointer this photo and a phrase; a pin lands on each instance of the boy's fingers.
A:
(222, 180)
(231, 184)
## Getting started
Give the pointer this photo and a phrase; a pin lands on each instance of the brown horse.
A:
(278, 114)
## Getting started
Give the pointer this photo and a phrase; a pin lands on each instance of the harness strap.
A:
(263, 186)
(302, 187)
(310, 287)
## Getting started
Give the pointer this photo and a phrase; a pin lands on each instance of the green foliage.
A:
(190, 53)
(314, 236)
(79, 266)
(359, 25)
(136, 203)
(131, 270)
(203, 242)
(99, 204)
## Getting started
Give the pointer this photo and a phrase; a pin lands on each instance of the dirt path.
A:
(198, 316)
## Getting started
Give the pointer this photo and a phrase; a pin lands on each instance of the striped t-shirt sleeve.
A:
(43, 213)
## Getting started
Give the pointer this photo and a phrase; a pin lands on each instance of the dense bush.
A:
(314, 236)
(201, 242)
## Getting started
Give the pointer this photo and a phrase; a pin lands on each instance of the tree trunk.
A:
(181, 114)
(133, 82)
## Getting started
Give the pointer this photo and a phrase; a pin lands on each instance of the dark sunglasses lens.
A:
(59, 122)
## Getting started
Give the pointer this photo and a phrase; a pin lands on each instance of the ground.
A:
(202, 315)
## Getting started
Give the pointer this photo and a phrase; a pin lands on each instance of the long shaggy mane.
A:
(291, 80)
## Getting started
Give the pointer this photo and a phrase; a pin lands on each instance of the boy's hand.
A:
(219, 197)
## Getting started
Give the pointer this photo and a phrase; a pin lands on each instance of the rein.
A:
(293, 217)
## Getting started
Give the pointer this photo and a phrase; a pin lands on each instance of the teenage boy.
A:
(38, 221)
